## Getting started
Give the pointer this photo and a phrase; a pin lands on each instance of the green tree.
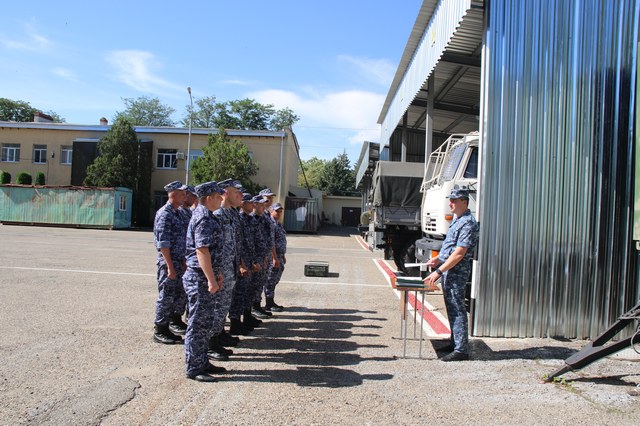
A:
(205, 113)
(122, 162)
(146, 111)
(283, 118)
(56, 117)
(224, 159)
(5, 177)
(16, 110)
(338, 178)
(313, 168)
(40, 179)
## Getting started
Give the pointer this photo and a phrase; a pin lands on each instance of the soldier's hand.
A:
(220, 279)
(213, 287)
(276, 263)
(172, 273)
(244, 271)
(433, 262)
(255, 267)
(431, 279)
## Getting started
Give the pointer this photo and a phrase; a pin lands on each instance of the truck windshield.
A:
(471, 172)
(453, 161)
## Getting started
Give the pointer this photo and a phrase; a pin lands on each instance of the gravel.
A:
(78, 305)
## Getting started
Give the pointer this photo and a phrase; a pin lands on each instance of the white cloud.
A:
(378, 71)
(31, 40)
(137, 68)
(237, 82)
(65, 73)
(353, 110)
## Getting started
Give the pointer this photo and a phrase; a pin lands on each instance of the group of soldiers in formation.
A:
(219, 248)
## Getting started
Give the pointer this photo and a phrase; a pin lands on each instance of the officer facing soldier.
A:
(453, 264)
(277, 267)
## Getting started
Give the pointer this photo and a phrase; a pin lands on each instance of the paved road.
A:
(77, 315)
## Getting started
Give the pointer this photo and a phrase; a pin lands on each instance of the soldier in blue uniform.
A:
(176, 325)
(261, 261)
(169, 235)
(277, 266)
(243, 294)
(232, 266)
(267, 195)
(453, 263)
(202, 280)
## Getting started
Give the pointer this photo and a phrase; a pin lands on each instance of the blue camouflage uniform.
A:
(243, 295)
(204, 231)
(180, 302)
(280, 242)
(261, 229)
(227, 219)
(168, 232)
(269, 241)
(463, 232)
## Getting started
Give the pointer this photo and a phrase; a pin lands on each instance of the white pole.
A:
(186, 180)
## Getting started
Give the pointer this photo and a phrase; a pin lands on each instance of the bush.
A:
(24, 178)
(5, 177)
(40, 179)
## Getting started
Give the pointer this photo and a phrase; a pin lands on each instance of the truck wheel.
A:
(407, 255)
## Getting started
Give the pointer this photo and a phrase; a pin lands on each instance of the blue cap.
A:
(258, 199)
(246, 197)
(207, 188)
(230, 182)
(276, 206)
(175, 185)
(267, 192)
(459, 193)
(191, 189)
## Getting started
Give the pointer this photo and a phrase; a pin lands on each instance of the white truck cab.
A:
(452, 166)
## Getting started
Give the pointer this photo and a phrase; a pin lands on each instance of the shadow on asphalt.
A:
(318, 342)
(480, 351)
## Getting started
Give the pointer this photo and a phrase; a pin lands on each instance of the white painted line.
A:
(78, 271)
(334, 283)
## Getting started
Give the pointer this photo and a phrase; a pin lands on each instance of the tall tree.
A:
(338, 177)
(224, 159)
(122, 162)
(313, 168)
(146, 111)
(205, 113)
(22, 111)
(283, 118)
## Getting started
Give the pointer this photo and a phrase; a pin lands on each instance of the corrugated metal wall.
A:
(556, 256)
(99, 208)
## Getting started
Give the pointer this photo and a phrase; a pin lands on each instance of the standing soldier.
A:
(277, 267)
(169, 234)
(268, 195)
(243, 295)
(202, 280)
(262, 250)
(453, 263)
(227, 216)
(176, 325)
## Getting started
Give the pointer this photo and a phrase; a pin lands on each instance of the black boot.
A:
(228, 340)
(238, 328)
(250, 320)
(162, 334)
(259, 312)
(217, 351)
(272, 306)
(177, 326)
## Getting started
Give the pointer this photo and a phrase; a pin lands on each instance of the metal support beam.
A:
(428, 147)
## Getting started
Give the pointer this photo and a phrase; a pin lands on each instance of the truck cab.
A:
(452, 166)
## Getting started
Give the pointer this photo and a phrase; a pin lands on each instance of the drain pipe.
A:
(281, 161)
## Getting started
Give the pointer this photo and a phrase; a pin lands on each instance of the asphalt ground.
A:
(77, 309)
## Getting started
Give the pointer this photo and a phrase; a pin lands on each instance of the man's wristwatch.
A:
(439, 271)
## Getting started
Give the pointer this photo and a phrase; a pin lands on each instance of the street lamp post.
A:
(189, 139)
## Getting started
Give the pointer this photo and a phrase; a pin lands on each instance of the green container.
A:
(85, 207)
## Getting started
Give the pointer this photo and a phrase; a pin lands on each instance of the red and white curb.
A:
(362, 242)
(435, 324)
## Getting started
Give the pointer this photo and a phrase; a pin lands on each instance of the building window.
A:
(193, 155)
(11, 152)
(160, 198)
(66, 153)
(123, 203)
(167, 159)
(39, 154)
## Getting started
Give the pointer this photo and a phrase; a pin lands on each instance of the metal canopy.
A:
(456, 76)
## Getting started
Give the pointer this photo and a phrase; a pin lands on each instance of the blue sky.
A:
(330, 61)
